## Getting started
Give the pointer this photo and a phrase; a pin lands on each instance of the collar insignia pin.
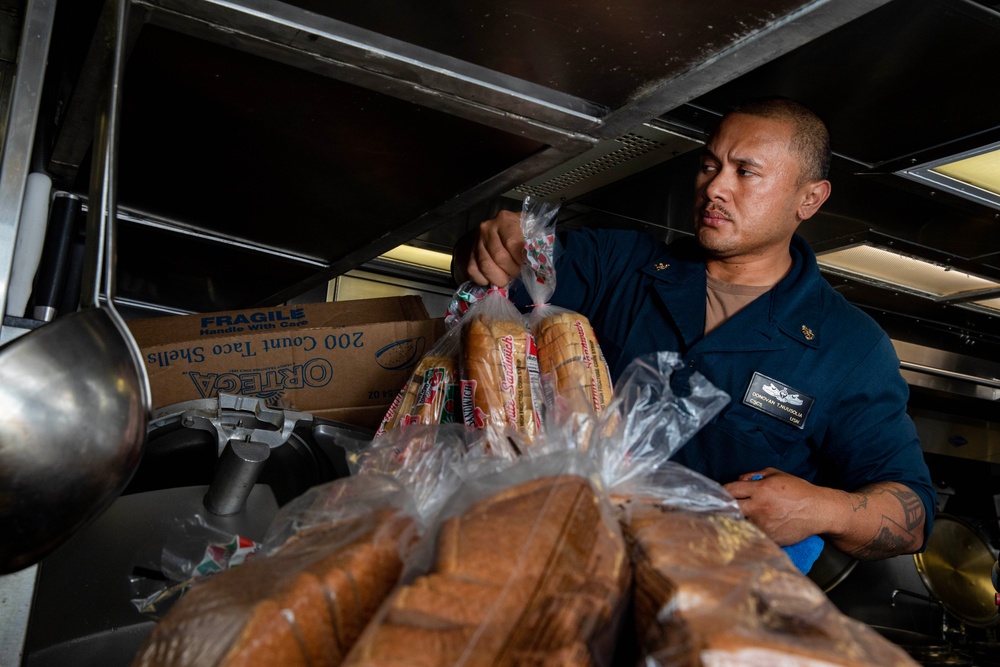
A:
(659, 266)
(807, 332)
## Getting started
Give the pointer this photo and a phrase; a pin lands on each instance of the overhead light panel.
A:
(973, 174)
(989, 306)
(890, 269)
(981, 171)
(420, 257)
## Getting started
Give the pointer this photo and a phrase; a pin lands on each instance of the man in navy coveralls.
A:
(816, 439)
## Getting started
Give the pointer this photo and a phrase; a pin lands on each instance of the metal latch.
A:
(246, 431)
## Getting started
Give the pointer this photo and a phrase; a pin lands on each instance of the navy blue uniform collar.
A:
(794, 305)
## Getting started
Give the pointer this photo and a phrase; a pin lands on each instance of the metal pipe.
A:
(241, 463)
(954, 375)
(918, 596)
(99, 278)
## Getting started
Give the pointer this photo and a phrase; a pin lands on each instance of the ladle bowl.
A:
(71, 431)
(74, 394)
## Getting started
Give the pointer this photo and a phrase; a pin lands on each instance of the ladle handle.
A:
(102, 215)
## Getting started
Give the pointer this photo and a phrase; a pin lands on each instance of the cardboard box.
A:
(344, 361)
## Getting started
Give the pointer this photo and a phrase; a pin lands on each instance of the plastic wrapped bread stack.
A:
(499, 369)
(305, 604)
(429, 395)
(713, 590)
(570, 358)
(532, 574)
(574, 375)
(710, 589)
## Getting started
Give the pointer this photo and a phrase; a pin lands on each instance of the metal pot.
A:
(831, 568)
(956, 567)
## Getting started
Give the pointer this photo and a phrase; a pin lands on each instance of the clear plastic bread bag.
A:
(430, 395)
(524, 564)
(710, 587)
(659, 404)
(429, 460)
(328, 560)
(574, 376)
(499, 388)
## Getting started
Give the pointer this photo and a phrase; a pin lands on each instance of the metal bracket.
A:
(244, 419)
(245, 431)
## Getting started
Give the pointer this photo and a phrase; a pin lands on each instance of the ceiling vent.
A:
(609, 161)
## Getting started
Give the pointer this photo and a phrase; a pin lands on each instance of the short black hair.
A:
(811, 138)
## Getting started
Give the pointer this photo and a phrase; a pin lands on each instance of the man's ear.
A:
(814, 193)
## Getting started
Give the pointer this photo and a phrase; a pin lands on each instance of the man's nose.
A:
(717, 185)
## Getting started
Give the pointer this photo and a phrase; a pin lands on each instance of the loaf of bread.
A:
(532, 575)
(304, 605)
(423, 399)
(571, 360)
(498, 359)
(713, 590)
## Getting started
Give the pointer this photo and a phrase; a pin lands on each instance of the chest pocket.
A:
(741, 439)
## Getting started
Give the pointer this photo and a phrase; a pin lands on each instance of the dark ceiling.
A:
(908, 83)
(264, 152)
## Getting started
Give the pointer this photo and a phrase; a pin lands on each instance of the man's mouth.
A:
(713, 217)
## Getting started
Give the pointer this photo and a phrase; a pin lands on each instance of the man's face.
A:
(747, 195)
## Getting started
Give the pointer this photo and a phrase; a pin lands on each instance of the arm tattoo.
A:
(896, 534)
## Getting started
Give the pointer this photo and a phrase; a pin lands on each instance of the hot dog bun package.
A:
(500, 387)
(574, 375)
(483, 372)
(709, 587)
(429, 396)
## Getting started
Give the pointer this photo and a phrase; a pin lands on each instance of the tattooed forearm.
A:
(900, 515)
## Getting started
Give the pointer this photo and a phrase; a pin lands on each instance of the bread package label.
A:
(571, 362)
(499, 362)
(424, 398)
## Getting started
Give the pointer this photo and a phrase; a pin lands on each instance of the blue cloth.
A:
(642, 296)
(805, 553)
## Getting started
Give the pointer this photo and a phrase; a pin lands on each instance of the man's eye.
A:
(744, 172)
(706, 168)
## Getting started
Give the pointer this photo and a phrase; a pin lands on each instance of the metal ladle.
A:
(74, 394)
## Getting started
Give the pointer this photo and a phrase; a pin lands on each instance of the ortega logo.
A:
(266, 384)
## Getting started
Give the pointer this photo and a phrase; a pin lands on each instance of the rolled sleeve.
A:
(872, 438)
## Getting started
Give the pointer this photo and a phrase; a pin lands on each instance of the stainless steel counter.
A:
(82, 614)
